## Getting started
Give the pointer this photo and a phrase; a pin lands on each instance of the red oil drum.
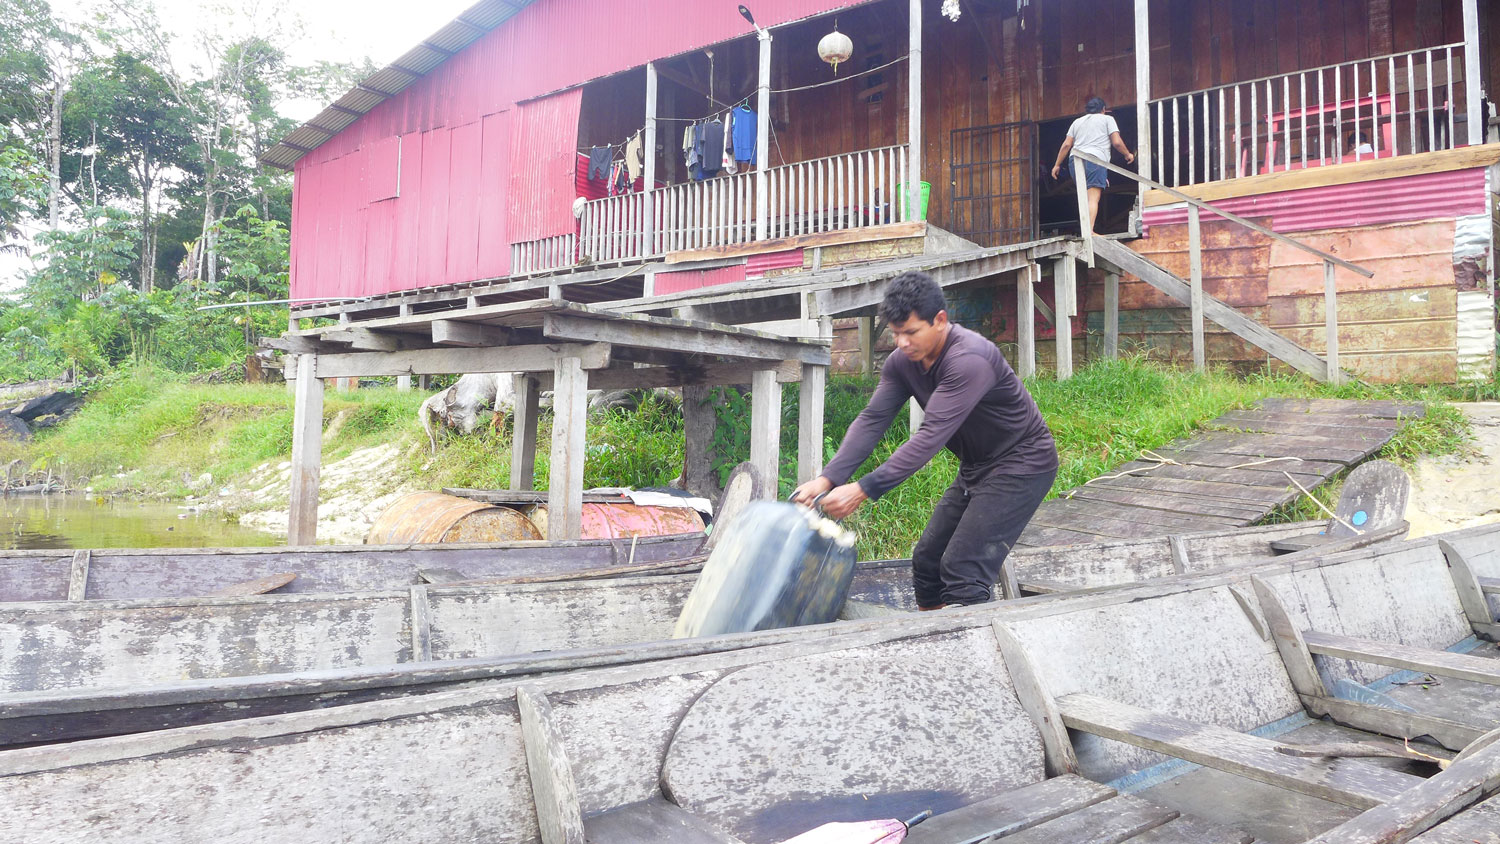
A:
(622, 520)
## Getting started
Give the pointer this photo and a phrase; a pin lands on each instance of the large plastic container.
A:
(777, 565)
(925, 195)
(432, 517)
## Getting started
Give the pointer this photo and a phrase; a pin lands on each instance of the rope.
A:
(1322, 506)
(837, 81)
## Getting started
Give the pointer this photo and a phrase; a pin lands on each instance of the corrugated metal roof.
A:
(417, 62)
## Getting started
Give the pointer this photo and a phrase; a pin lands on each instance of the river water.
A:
(82, 521)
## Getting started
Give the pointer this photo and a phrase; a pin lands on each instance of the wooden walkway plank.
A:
(1363, 424)
(1475, 669)
(1376, 409)
(1256, 476)
(1353, 434)
(1170, 502)
(1099, 523)
(1253, 496)
(1262, 446)
(1321, 468)
(1179, 523)
(1350, 782)
(1036, 535)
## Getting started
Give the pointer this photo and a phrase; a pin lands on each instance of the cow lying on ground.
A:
(459, 406)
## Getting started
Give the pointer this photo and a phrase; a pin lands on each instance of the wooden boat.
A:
(98, 667)
(1181, 709)
(130, 573)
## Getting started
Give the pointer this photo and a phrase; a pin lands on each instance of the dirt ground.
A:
(1462, 490)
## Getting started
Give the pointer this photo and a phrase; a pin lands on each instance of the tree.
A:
(23, 189)
(123, 111)
(37, 54)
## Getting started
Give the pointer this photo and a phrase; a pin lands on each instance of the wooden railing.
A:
(1381, 107)
(839, 192)
(1221, 313)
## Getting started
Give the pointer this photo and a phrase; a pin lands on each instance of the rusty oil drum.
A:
(432, 517)
(612, 520)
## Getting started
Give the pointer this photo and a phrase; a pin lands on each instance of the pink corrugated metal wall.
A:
(541, 163)
(453, 220)
(1424, 197)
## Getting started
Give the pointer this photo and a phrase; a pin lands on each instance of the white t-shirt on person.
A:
(1090, 134)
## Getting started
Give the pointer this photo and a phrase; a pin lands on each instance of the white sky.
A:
(332, 30)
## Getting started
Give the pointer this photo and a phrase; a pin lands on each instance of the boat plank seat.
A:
(655, 821)
(1490, 585)
(1479, 825)
(1193, 830)
(1013, 811)
(1350, 782)
(1395, 655)
(1117, 819)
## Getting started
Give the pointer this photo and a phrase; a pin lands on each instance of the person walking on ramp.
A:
(978, 408)
(1094, 133)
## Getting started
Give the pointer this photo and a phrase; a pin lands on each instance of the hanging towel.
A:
(727, 153)
(599, 160)
(690, 149)
(634, 159)
(745, 134)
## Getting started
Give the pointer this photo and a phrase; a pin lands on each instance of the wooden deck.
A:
(1231, 475)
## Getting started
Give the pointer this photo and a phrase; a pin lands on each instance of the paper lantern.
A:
(834, 48)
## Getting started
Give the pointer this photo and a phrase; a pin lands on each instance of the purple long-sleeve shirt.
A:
(975, 405)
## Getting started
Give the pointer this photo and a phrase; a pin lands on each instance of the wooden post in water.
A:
(569, 416)
(523, 432)
(307, 453)
(765, 426)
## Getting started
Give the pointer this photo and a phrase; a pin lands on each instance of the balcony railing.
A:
(1382, 107)
(840, 192)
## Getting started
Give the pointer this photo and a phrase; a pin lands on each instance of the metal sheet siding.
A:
(549, 46)
(693, 279)
(756, 266)
(1424, 197)
(542, 161)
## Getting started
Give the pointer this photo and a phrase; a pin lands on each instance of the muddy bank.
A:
(1460, 490)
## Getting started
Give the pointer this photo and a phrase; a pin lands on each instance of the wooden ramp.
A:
(1230, 475)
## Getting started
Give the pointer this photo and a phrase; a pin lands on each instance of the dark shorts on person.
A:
(972, 530)
(1095, 175)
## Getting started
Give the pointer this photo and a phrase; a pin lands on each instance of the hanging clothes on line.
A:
(726, 149)
(745, 134)
(690, 150)
(710, 142)
(599, 160)
(634, 156)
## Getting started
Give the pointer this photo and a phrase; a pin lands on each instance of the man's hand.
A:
(1055, 169)
(1129, 158)
(844, 500)
(805, 493)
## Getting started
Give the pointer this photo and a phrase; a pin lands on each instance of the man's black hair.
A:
(1095, 105)
(912, 293)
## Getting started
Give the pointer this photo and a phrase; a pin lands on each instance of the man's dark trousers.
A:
(958, 558)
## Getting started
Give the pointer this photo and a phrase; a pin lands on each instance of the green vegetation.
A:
(170, 432)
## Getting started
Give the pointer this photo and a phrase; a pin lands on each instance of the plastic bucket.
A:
(432, 517)
(624, 520)
(921, 211)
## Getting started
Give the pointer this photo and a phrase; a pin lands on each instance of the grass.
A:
(162, 433)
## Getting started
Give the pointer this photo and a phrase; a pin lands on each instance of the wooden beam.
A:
(1331, 322)
(765, 427)
(523, 432)
(565, 481)
(1369, 170)
(648, 174)
(559, 812)
(914, 137)
(307, 454)
(1085, 220)
(1471, 592)
(1112, 315)
(1222, 314)
(1453, 735)
(871, 234)
(421, 624)
(1300, 667)
(640, 332)
(1195, 286)
(1057, 749)
(1473, 76)
(810, 399)
(364, 340)
(762, 139)
(535, 358)
(1063, 279)
(452, 332)
(713, 375)
(1346, 781)
(1465, 782)
(1395, 655)
(1026, 319)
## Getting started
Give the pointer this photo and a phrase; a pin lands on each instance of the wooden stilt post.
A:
(763, 140)
(699, 421)
(811, 395)
(523, 433)
(866, 345)
(403, 382)
(307, 453)
(1112, 315)
(292, 327)
(1331, 318)
(1143, 92)
(915, 415)
(1064, 274)
(569, 416)
(765, 426)
(1195, 280)
(1026, 320)
(1473, 73)
(914, 107)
